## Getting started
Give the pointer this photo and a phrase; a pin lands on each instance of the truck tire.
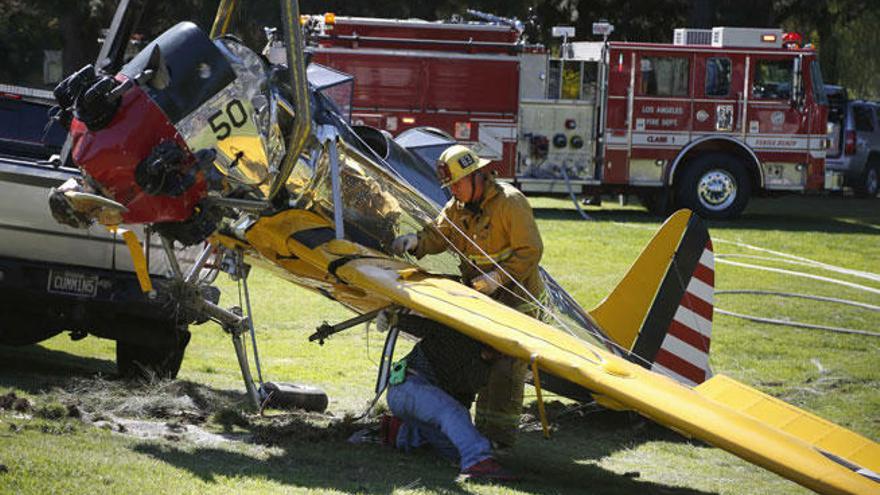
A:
(716, 186)
(870, 183)
(140, 361)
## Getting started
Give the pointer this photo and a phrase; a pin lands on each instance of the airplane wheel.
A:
(715, 186)
(296, 396)
(141, 361)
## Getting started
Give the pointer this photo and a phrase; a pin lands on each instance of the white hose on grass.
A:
(848, 302)
(801, 274)
(818, 264)
(796, 324)
(771, 321)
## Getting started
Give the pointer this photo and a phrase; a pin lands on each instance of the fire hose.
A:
(574, 200)
(791, 259)
(773, 321)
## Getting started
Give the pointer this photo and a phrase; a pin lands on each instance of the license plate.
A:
(72, 283)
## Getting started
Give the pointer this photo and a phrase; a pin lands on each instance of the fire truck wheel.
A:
(147, 362)
(715, 185)
(870, 183)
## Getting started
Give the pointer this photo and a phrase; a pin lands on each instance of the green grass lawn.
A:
(833, 375)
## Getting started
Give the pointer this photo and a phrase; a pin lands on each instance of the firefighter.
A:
(491, 226)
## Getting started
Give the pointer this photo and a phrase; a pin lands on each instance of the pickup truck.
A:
(55, 278)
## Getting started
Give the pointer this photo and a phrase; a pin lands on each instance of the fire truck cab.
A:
(698, 125)
(705, 122)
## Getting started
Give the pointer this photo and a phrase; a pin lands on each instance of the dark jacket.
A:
(448, 359)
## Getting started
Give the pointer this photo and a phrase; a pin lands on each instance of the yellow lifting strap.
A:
(223, 18)
(137, 258)
(541, 412)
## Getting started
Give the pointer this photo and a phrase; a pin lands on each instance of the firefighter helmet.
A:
(456, 163)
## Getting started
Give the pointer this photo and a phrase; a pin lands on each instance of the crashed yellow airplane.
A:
(202, 138)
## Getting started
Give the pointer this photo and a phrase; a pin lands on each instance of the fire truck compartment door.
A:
(567, 129)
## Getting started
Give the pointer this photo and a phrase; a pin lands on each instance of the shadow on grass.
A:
(34, 368)
(319, 458)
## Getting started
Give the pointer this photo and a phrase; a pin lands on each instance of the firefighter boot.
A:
(499, 404)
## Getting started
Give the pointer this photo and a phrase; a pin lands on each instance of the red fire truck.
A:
(705, 122)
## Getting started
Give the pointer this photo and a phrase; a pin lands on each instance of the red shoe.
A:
(487, 470)
(388, 428)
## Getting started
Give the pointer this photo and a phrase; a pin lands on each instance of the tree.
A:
(829, 19)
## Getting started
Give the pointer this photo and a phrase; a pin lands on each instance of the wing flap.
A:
(652, 395)
(810, 428)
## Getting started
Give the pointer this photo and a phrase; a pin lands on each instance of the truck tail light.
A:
(849, 143)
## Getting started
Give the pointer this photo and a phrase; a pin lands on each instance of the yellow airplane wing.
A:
(696, 412)
(720, 411)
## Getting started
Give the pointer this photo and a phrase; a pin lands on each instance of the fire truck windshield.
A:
(772, 80)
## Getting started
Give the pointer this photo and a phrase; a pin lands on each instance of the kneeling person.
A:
(431, 391)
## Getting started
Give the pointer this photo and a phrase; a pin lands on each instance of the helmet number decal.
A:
(220, 120)
(466, 160)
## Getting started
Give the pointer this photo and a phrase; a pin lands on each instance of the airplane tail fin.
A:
(661, 311)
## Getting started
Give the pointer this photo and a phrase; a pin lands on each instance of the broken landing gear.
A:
(238, 323)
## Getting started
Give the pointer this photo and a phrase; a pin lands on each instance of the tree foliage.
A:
(845, 31)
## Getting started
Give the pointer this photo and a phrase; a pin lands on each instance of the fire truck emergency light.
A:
(603, 28)
(768, 38)
(563, 32)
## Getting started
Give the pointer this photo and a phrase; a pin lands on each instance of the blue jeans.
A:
(431, 416)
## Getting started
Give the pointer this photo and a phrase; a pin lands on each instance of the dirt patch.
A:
(169, 430)
(95, 399)
(301, 426)
(179, 411)
(12, 402)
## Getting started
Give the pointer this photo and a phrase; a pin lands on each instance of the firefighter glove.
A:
(385, 320)
(406, 243)
(487, 283)
(389, 317)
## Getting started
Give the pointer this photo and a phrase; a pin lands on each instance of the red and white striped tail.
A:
(684, 353)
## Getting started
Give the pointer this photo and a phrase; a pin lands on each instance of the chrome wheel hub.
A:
(716, 190)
